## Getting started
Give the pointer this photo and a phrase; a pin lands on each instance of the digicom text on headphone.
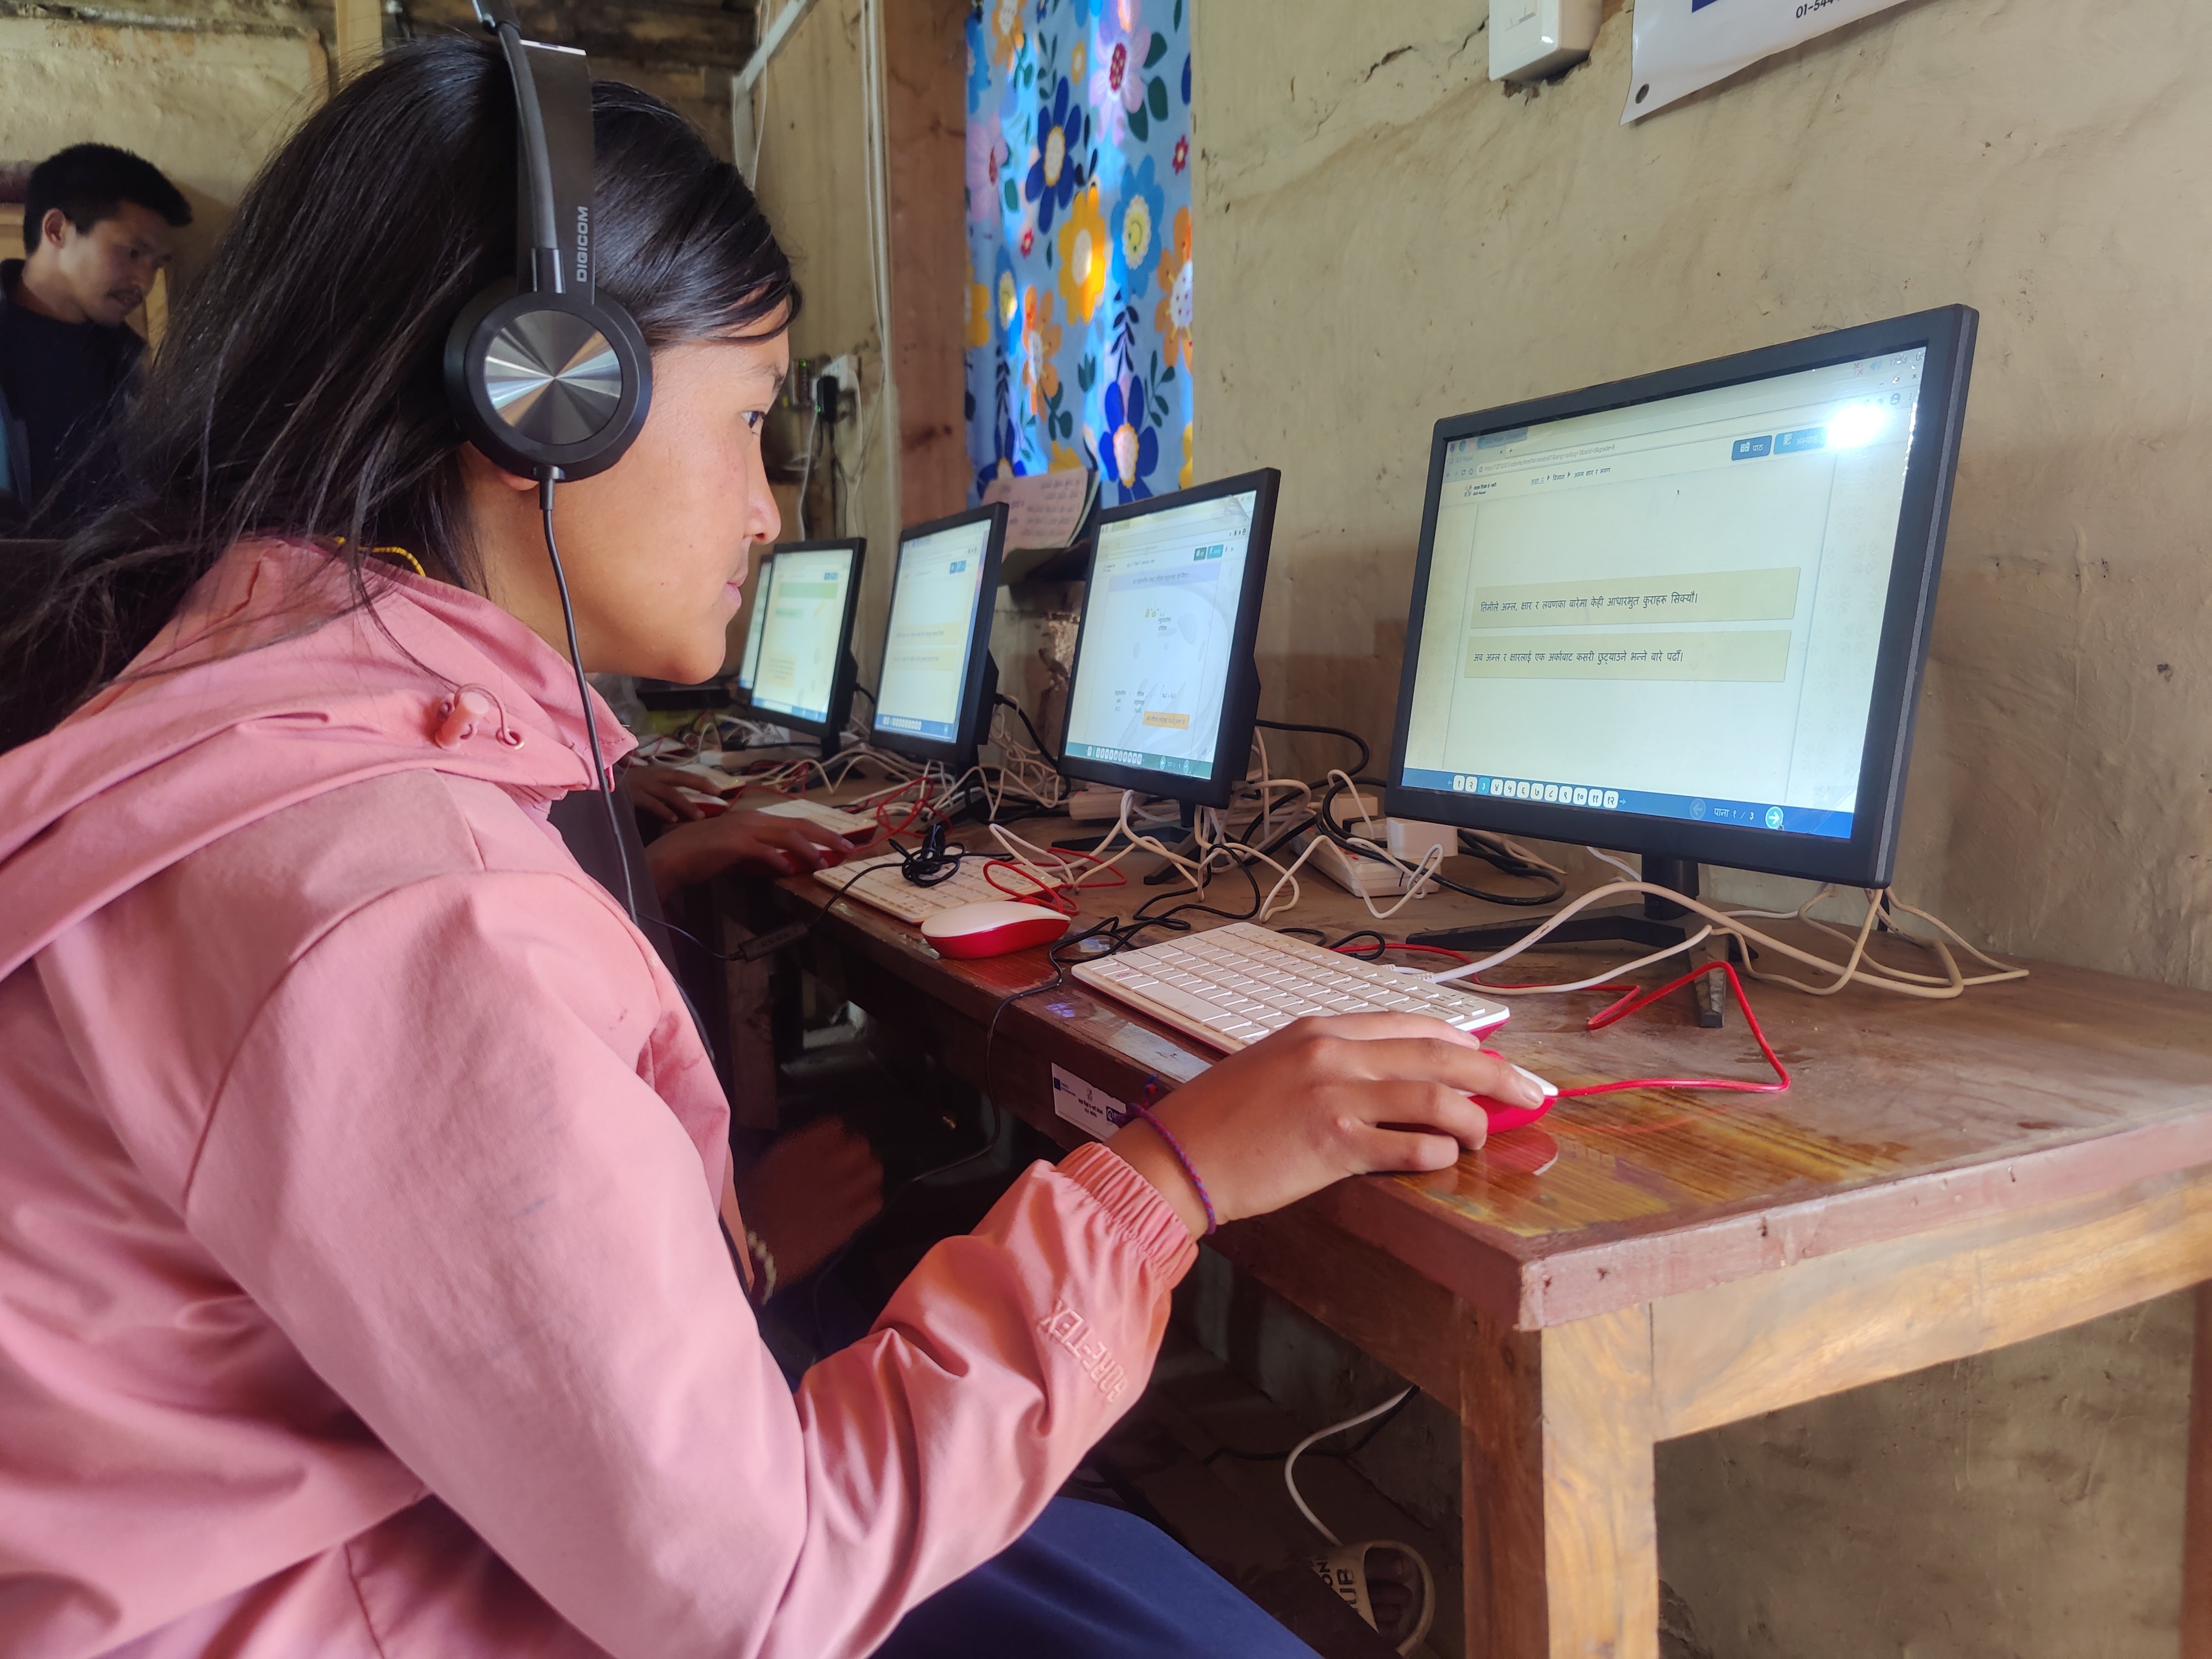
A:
(583, 246)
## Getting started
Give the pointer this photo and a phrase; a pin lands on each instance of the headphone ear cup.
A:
(544, 382)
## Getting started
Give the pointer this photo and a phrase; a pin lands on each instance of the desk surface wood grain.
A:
(1903, 1115)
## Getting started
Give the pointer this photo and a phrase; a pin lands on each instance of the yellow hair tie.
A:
(413, 563)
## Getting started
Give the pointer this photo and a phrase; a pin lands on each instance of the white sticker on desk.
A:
(1089, 1108)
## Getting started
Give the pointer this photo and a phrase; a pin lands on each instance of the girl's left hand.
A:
(659, 790)
(758, 843)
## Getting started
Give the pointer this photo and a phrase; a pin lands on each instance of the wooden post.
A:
(361, 36)
(925, 129)
(1562, 1540)
(2197, 1534)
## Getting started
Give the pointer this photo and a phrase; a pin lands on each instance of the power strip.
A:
(1361, 873)
(1093, 806)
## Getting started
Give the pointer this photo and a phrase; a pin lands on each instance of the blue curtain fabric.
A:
(1078, 241)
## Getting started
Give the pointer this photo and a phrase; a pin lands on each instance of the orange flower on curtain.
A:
(1083, 256)
(1172, 316)
(1040, 345)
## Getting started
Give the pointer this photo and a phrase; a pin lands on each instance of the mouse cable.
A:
(599, 778)
(1097, 929)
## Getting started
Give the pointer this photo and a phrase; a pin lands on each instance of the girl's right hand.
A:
(1320, 1100)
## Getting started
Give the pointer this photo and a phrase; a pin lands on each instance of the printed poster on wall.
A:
(1683, 45)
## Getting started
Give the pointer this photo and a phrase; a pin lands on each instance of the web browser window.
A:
(932, 628)
(1157, 634)
(1673, 608)
(803, 635)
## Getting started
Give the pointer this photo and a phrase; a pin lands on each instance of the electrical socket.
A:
(846, 365)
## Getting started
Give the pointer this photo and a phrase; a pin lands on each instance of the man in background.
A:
(98, 222)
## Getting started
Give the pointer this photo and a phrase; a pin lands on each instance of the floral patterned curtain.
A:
(1078, 241)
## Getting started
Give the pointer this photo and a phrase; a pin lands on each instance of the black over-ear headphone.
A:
(547, 379)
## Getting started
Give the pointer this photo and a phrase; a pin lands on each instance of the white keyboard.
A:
(881, 884)
(829, 818)
(1230, 986)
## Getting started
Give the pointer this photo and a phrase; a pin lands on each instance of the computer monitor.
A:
(805, 673)
(935, 689)
(1686, 615)
(749, 662)
(1163, 690)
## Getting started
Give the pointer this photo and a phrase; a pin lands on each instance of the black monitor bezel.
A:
(972, 727)
(1240, 704)
(841, 677)
(759, 613)
(1868, 857)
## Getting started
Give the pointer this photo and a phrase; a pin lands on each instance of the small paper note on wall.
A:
(1683, 45)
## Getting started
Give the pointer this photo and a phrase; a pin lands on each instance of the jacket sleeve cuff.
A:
(1135, 1207)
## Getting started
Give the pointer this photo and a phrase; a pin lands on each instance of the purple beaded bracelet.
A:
(1212, 1223)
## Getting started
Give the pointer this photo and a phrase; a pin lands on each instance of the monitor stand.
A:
(1187, 847)
(1653, 924)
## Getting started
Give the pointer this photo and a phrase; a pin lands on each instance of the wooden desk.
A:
(1943, 1179)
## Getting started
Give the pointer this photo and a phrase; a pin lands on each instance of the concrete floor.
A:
(1171, 1454)
(2024, 1505)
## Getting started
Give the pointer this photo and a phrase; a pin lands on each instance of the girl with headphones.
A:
(362, 1290)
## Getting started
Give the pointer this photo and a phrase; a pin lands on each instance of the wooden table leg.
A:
(2197, 1534)
(1556, 1438)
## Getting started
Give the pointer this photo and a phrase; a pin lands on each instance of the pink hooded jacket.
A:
(360, 1289)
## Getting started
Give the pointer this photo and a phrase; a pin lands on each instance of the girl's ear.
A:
(481, 467)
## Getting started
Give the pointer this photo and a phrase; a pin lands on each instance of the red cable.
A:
(1054, 895)
(1636, 999)
(1629, 1003)
(1057, 893)
(921, 806)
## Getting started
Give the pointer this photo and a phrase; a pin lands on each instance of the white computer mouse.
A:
(992, 930)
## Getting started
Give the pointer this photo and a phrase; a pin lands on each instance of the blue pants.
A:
(1087, 1581)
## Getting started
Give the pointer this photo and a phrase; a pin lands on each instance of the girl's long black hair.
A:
(300, 391)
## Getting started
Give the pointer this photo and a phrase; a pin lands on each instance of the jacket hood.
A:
(269, 687)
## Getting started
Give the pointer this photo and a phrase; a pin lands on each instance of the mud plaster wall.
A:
(205, 104)
(1385, 237)
(207, 89)
(812, 168)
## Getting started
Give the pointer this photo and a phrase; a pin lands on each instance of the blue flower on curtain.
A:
(979, 72)
(1057, 168)
(1079, 343)
(1137, 228)
(1131, 447)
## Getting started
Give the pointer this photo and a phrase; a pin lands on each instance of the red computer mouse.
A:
(992, 929)
(1503, 1117)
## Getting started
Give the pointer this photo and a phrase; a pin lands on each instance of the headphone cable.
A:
(584, 698)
